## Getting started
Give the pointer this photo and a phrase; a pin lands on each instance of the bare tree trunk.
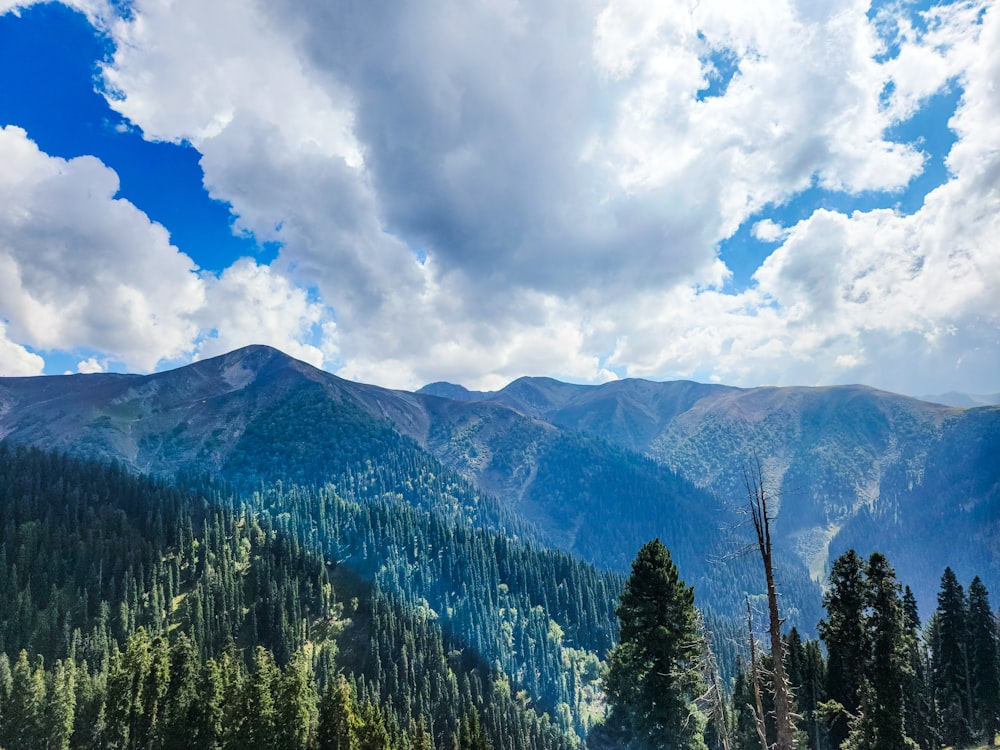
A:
(757, 498)
(715, 699)
(758, 711)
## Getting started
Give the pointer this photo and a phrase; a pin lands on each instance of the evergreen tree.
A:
(950, 660)
(470, 734)
(744, 732)
(296, 710)
(880, 722)
(60, 706)
(811, 693)
(338, 718)
(918, 706)
(22, 718)
(208, 710)
(259, 714)
(420, 738)
(653, 676)
(984, 663)
(372, 732)
(846, 638)
(179, 709)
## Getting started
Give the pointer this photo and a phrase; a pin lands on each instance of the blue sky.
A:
(49, 78)
(795, 193)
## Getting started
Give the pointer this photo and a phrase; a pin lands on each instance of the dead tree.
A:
(714, 699)
(757, 499)
(758, 710)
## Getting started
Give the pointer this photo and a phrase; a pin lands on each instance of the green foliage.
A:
(846, 638)
(950, 662)
(653, 677)
(984, 662)
(880, 724)
(869, 667)
(190, 620)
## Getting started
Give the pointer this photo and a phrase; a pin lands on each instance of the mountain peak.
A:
(453, 391)
(243, 366)
(252, 355)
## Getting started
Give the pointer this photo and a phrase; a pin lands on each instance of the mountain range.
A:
(591, 470)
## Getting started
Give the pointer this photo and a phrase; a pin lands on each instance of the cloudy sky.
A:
(775, 192)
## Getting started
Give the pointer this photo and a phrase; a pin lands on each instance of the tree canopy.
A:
(653, 676)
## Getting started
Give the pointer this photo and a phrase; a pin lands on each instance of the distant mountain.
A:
(964, 400)
(840, 459)
(596, 470)
(191, 418)
(453, 391)
(256, 415)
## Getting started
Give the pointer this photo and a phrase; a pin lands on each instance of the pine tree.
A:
(22, 713)
(950, 662)
(653, 676)
(338, 718)
(296, 711)
(811, 693)
(984, 663)
(918, 708)
(470, 734)
(420, 738)
(846, 638)
(60, 706)
(880, 723)
(371, 729)
(179, 703)
(208, 711)
(259, 710)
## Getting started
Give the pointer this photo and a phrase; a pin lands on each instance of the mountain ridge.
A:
(839, 458)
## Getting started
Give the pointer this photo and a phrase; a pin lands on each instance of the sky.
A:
(771, 193)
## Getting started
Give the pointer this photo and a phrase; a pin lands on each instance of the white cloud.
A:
(768, 231)
(251, 304)
(15, 360)
(493, 189)
(80, 268)
(90, 365)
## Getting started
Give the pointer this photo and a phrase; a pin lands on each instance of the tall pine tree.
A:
(653, 675)
(984, 663)
(950, 661)
(880, 723)
(846, 638)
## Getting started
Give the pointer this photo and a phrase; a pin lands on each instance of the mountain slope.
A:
(837, 458)
(147, 593)
(565, 460)
(191, 417)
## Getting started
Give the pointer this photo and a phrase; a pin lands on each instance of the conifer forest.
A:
(328, 584)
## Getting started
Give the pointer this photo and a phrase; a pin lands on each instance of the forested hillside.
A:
(140, 608)
(255, 417)
(415, 563)
(851, 464)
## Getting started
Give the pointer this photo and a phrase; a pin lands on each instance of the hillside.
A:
(100, 566)
(851, 465)
(594, 470)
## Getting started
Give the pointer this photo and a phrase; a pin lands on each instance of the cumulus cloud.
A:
(500, 188)
(250, 304)
(15, 360)
(81, 268)
(90, 365)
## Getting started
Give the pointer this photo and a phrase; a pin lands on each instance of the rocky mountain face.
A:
(598, 470)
